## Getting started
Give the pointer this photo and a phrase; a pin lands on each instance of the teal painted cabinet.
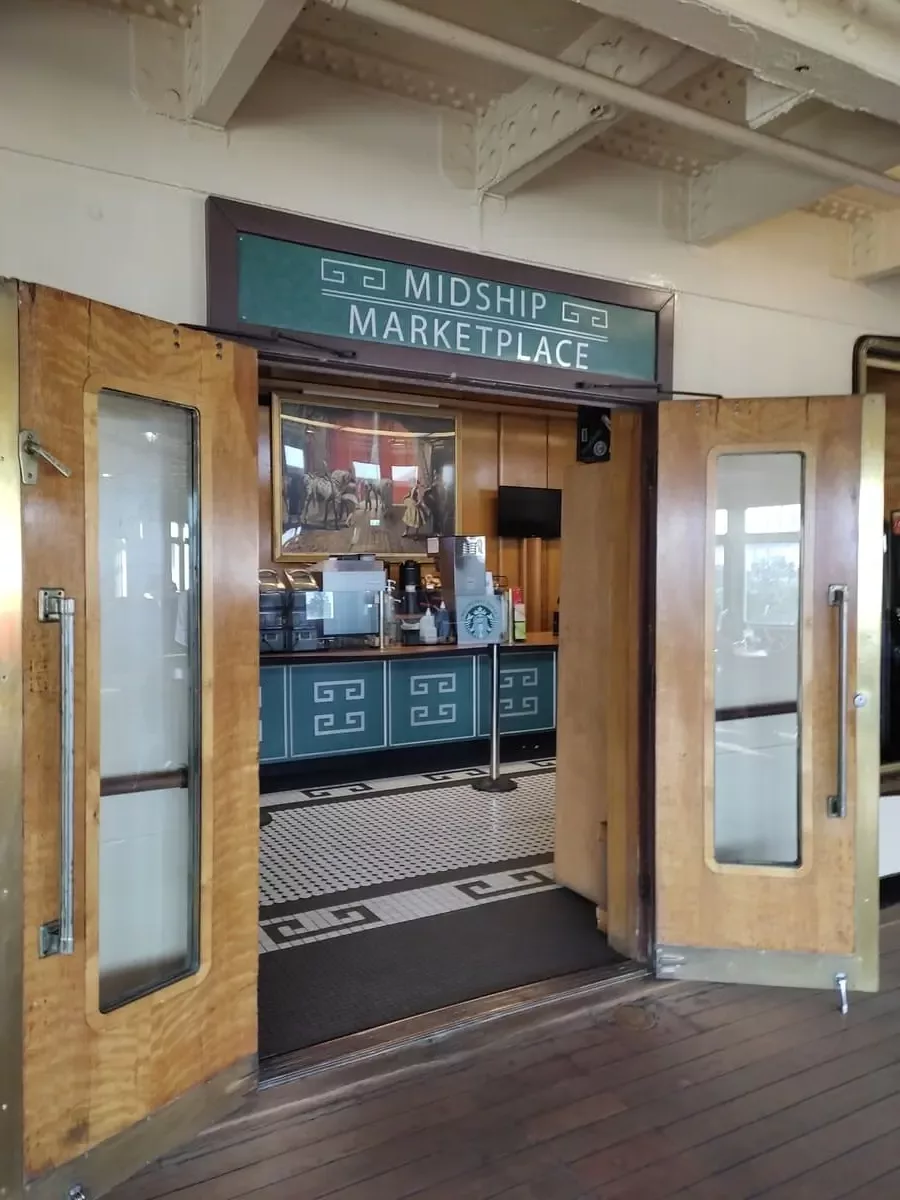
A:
(273, 714)
(315, 710)
(431, 700)
(336, 708)
(527, 692)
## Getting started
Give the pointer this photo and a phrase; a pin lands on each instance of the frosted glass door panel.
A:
(145, 919)
(149, 716)
(757, 814)
(146, 563)
(756, 586)
(758, 578)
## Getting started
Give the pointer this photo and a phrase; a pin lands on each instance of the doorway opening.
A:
(876, 368)
(390, 886)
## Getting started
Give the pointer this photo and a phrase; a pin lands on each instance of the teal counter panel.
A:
(431, 700)
(527, 692)
(337, 709)
(273, 714)
(314, 710)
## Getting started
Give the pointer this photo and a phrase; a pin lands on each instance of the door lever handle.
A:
(30, 450)
(839, 597)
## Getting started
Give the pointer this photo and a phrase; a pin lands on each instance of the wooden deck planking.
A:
(728, 1092)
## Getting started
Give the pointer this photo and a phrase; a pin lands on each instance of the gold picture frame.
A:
(391, 501)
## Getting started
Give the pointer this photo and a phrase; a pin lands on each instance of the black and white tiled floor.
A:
(383, 900)
(357, 857)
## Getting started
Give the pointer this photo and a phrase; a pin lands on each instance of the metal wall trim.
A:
(869, 566)
(767, 968)
(100, 1170)
(11, 731)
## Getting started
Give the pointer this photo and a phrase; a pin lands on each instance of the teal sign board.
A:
(288, 286)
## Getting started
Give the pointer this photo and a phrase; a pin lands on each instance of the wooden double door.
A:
(128, 738)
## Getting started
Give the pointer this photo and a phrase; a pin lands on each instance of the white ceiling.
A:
(729, 58)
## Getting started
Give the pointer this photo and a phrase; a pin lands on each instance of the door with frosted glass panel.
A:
(767, 690)
(140, 795)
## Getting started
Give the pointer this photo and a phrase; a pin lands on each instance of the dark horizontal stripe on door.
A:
(743, 712)
(148, 781)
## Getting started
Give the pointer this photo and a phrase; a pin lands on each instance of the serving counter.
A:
(314, 705)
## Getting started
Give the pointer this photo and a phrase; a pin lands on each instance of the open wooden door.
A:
(137, 763)
(767, 692)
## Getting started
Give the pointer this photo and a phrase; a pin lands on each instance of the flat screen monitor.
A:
(529, 512)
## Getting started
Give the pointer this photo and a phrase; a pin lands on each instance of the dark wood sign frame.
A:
(226, 220)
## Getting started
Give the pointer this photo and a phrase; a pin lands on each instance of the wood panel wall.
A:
(599, 708)
(494, 448)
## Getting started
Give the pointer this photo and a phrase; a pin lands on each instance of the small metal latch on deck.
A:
(30, 452)
(667, 963)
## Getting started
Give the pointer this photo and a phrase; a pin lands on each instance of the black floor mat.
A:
(311, 994)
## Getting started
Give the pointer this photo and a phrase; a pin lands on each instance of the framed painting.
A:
(355, 478)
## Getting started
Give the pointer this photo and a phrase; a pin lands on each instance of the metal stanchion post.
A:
(495, 782)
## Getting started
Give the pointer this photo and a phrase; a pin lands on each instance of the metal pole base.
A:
(503, 783)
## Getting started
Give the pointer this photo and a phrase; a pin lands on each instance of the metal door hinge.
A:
(30, 452)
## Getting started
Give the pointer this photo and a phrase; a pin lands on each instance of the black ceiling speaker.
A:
(594, 434)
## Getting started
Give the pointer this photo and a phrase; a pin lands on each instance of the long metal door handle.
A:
(58, 935)
(838, 596)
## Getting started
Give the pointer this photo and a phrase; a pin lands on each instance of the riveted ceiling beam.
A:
(843, 55)
(524, 132)
(747, 190)
(228, 44)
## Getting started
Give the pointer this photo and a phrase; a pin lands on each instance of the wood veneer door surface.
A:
(91, 1076)
(810, 909)
(599, 702)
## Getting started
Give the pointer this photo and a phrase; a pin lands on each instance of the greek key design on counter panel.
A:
(418, 715)
(325, 724)
(326, 693)
(419, 685)
(528, 682)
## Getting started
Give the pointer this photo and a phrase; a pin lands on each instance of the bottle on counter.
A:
(428, 628)
(518, 606)
(442, 621)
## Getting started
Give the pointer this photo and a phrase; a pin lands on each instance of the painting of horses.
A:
(363, 479)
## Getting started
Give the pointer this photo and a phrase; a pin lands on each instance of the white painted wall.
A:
(100, 197)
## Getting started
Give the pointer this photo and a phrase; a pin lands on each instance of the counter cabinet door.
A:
(768, 627)
(336, 708)
(139, 737)
(431, 700)
(527, 692)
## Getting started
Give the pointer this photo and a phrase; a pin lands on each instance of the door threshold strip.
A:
(358, 1048)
